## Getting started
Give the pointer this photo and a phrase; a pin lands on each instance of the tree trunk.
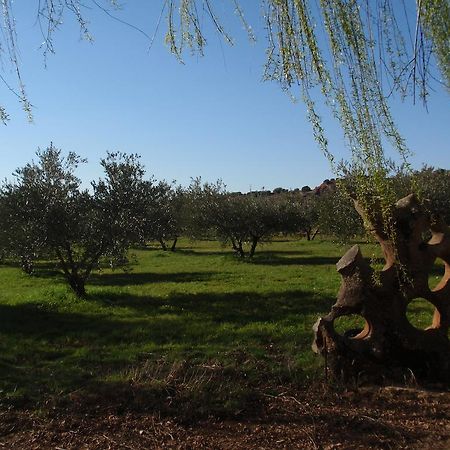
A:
(78, 284)
(389, 347)
(163, 244)
(26, 264)
(315, 233)
(237, 247)
(253, 247)
(174, 245)
(71, 269)
(308, 234)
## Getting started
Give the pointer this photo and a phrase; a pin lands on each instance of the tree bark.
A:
(163, 244)
(255, 241)
(389, 347)
(174, 245)
(70, 268)
(237, 247)
(77, 284)
(308, 234)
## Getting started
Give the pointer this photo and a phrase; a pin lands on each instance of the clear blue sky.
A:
(212, 117)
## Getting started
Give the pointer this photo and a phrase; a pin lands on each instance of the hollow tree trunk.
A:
(389, 347)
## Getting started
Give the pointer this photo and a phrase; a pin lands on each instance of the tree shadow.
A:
(199, 252)
(132, 278)
(46, 352)
(38, 265)
(275, 259)
(238, 308)
(228, 251)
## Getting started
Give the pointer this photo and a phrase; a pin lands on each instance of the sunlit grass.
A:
(198, 309)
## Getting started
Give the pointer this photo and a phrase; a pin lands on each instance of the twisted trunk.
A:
(389, 346)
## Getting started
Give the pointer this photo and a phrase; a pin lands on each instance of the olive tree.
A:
(36, 204)
(309, 212)
(337, 217)
(163, 210)
(433, 185)
(22, 234)
(49, 211)
(261, 219)
(294, 215)
(240, 220)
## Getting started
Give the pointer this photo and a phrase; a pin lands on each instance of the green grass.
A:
(197, 325)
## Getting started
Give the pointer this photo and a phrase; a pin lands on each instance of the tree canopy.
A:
(46, 212)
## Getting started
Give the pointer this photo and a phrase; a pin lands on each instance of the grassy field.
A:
(196, 329)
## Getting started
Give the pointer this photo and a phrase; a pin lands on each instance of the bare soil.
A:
(370, 418)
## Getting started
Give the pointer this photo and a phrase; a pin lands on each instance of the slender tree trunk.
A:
(163, 244)
(253, 247)
(237, 247)
(174, 244)
(315, 233)
(308, 234)
(241, 250)
(26, 263)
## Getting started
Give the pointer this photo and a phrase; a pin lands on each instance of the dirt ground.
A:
(372, 418)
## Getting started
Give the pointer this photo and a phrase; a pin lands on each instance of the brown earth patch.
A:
(369, 418)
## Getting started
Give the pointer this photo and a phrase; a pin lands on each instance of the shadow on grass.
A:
(205, 252)
(126, 278)
(238, 308)
(45, 351)
(275, 259)
(172, 315)
(41, 268)
(137, 278)
(228, 251)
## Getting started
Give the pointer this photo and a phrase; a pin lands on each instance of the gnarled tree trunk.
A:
(389, 346)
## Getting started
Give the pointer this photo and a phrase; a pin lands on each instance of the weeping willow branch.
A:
(354, 54)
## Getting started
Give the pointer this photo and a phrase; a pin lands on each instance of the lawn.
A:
(197, 330)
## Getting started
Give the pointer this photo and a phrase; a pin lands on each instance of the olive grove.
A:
(353, 57)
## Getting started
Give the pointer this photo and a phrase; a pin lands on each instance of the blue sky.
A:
(211, 117)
